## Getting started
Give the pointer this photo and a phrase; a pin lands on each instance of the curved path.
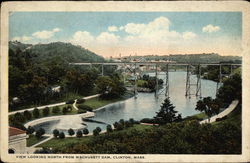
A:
(222, 114)
(51, 105)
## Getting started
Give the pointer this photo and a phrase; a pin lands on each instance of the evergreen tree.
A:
(167, 114)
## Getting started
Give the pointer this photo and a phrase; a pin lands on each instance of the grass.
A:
(141, 83)
(58, 143)
(64, 98)
(96, 102)
(234, 117)
(34, 140)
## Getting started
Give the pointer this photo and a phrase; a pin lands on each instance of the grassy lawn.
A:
(96, 102)
(34, 140)
(233, 117)
(58, 143)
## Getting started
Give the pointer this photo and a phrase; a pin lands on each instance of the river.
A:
(146, 105)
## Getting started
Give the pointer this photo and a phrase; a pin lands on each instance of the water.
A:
(146, 105)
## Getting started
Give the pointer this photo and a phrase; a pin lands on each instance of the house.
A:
(17, 140)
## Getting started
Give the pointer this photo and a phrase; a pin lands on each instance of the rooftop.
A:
(15, 131)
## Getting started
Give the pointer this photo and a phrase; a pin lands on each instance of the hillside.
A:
(35, 69)
(68, 52)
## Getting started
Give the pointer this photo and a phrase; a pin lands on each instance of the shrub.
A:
(95, 132)
(70, 101)
(98, 129)
(221, 119)
(85, 131)
(127, 124)
(71, 132)
(18, 117)
(55, 109)
(79, 134)
(116, 125)
(40, 133)
(69, 107)
(122, 122)
(64, 110)
(85, 107)
(147, 120)
(30, 130)
(46, 111)
(27, 115)
(61, 135)
(55, 133)
(36, 113)
(120, 126)
(80, 101)
(109, 128)
(131, 120)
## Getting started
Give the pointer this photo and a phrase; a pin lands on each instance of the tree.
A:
(71, 132)
(55, 109)
(109, 128)
(36, 113)
(27, 115)
(18, 117)
(167, 114)
(65, 110)
(61, 135)
(46, 111)
(55, 133)
(98, 129)
(209, 106)
(79, 134)
(85, 131)
(40, 133)
(30, 130)
(95, 132)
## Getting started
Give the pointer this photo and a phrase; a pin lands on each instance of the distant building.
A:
(17, 140)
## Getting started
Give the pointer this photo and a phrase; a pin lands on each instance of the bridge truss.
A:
(193, 88)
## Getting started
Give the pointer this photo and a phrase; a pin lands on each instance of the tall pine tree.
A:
(167, 114)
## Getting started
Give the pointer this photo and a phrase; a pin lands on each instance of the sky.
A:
(133, 33)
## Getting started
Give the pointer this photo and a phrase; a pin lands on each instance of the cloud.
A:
(22, 39)
(112, 29)
(82, 38)
(188, 35)
(210, 28)
(45, 34)
(107, 38)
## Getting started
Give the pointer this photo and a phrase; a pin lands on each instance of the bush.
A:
(71, 132)
(30, 130)
(109, 128)
(46, 111)
(27, 115)
(122, 122)
(98, 129)
(85, 107)
(70, 101)
(85, 131)
(95, 132)
(55, 133)
(64, 110)
(55, 110)
(36, 113)
(115, 125)
(80, 101)
(40, 133)
(131, 120)
(61, 135)
(120, 126)
(18, 117)
(69, 107)
(79, 134)
(127, 124)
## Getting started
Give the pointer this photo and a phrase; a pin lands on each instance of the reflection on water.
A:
(146, 105)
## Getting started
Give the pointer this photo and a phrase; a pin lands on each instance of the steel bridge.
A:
(190, 67)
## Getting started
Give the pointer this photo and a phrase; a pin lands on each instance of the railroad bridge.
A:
(189, 68)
